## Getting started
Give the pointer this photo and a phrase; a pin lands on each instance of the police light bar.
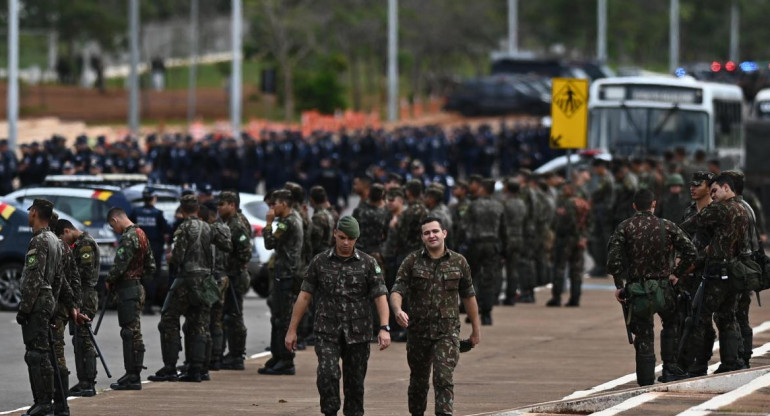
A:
(716, 66)
(730, 66)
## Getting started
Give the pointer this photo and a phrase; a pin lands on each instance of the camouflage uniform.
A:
(133, 262)
(321, 227)
(408, 229)
(526, 263)
(221, 245)
(728, 224)
(570, 226)
(373, 223)
(191, 256)
(41, 274)
(62, 316)
(485, 231)
(514, 213)
(286, 237)
(753, 243)
(87, 260)
(238, 278)
(622, 204)
(457, 212)
(672, 206)
(637, 252)
(432, 289)
(544, 237)
(601, 205)
(342, 289)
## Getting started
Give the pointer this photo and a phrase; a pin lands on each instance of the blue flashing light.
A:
(749, 66)
(680, 72)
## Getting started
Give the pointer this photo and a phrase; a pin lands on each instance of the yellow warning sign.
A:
(569, 113)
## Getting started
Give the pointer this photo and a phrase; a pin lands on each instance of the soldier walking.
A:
(571, 231)
(434, 279)
(342, 281)
(133, 262)
(641, 249)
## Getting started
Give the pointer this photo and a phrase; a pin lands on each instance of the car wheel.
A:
(10, 286)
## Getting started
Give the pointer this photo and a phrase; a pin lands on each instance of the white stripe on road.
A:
(630, 404)
(260, 355)
(628, 378)
(726, 399)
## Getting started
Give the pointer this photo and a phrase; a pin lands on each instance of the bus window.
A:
(727, 124)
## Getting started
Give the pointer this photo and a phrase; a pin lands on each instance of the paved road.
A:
(531, 354)
(14, 385)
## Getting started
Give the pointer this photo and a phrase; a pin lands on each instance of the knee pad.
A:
(126, 334)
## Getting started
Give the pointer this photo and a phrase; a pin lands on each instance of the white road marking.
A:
(723, 400)
(630, 404)
(260, 355)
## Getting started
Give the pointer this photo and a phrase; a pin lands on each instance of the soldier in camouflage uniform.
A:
(675, 202)
(728, 224)
(41, 280)
(526, 263)
(458, 211)
(238, 278)
(432, 279)
(571, 229)
(372, 217)
(514, 214)
(284, 234)
(395, 206)
(544, 235)
(601, 210)
(626, 184)
(300, 208)
(87, 260)
(342, 281)
(133, 262)
(434, 203)
(191, 257)
(485, 231)
(641, 249)
(408, 223)
(323, 221)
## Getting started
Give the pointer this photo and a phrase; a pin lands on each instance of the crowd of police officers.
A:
(533, 232)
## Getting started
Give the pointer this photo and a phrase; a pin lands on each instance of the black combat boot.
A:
(130, 381)
(554, 303)
(486, 319)
(729, 346)
(40, 410)
(268, 364)
(573, 302)
(645, 369)
(233, 362)
(281, 368)
(164, 374)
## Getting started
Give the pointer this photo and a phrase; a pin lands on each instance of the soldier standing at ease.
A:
(432, 279)
(191, 256)
(514, 214)
(408, 223)
(526, 263)
(221, 245)
(485, 231)
(133, 261)
(322, 222)
(342, 281)
(673, 205)
(283, 233)
(372, 217)
(86, 254)
(458, 211)
(641, 249)
(601, 211)
(40, 282)
(571, 230)
(238, 277)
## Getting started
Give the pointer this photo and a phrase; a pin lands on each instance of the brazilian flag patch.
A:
(31, 260)
(282, 226)
(377, 269)
(243, 238)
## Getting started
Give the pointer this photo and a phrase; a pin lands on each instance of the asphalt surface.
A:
(14, 384)
(531, 354)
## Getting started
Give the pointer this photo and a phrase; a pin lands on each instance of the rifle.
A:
(101, 314)
(98, 350)
(56, 372)
(693, 317)
(626, 313)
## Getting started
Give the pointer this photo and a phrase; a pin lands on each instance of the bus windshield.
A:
(641, 131)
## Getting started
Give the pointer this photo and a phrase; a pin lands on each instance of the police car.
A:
(15, 234)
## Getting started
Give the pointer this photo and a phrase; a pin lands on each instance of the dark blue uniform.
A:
(155, 227)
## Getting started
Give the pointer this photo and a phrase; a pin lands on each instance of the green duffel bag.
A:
(745, 274)
(648, 297)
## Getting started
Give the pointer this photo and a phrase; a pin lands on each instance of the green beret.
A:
(349, 226)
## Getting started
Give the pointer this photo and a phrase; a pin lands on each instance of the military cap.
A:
(674, 179)
(189, 201)
(206, 189)
(42, 206)
(349, 226)
(700, 176)
(187, 191)
(396, 192)
(228, 196)
(461, 183)
(148, 192)
(438, 185)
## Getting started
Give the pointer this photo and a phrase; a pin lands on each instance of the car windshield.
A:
(257, 209)
(89, 211)
(647, 131)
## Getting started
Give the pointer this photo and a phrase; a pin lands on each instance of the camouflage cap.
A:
(189, 201)
(42, 206)
(700, 176)
(396, 192)
(229, 196)
(435, 193)
(674, 179)
(349, 226)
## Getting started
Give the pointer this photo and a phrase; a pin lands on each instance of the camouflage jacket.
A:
(191, 255)
(672, 206)
(286, 240)
(545, 215)
(753, 241)
(700, 238)
(408, 228)
(240, 253)
(458, 211)
(42, 273)
(532, 203)
(221, 246)
(602, 195)
(485, 221)
(307, 243)
(514, 215)
(343, 290)
(567, 225)
(373, 223)
(71, 298)
(433, 289)
(636, 251)
(133, 258)
(86, 253)
(727, 224)
(322, 225)
(441, 211)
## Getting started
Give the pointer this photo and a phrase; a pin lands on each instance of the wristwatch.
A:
(385, 328)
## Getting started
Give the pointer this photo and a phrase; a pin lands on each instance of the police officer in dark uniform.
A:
(151, 220)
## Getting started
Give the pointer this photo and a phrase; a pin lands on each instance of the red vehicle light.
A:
(730, 66)
(256, 230)
(716, 66)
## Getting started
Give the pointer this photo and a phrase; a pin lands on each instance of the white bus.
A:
(640, 116)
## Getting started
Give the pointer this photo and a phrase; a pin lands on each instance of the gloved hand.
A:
(22, 318)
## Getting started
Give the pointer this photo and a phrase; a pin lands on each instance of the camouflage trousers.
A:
(355, 358)
(441, 355)
(216, 323)
(281, 308)
(512, 273)
(567, 254)
(525, 267)
(36, 342)
(180, 301)
(234, 328)
(644, 335)
(486, 269)
(131, 299)
(747, 333)
(60, 320)
(85, 353)
(720, 301)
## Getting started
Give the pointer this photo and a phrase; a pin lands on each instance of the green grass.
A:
(209, 75)
(33, 50)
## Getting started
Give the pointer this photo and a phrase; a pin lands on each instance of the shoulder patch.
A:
(282, 226)
(31, 260)
(377, 269)
(243, 238)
